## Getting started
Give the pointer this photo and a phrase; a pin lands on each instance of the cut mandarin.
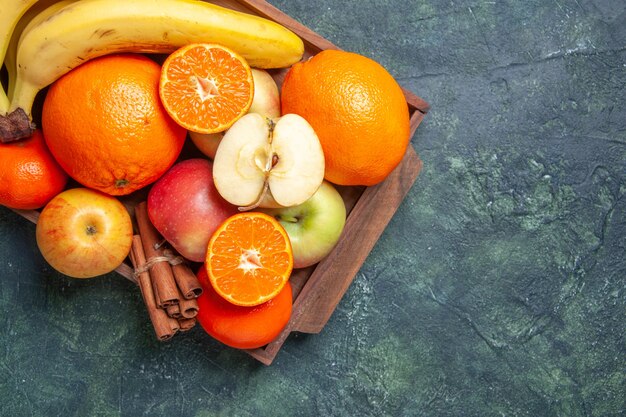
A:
(249, 259)
(206, 87)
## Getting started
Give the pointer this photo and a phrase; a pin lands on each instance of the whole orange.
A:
(105, 124)
(238, 326)
(29, 175)
(358, 111)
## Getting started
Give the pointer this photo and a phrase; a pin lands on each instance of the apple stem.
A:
(271, 124)
(266, 187)
(270, 164)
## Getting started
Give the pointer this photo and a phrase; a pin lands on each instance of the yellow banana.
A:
(36, 14)
(92, 28)
(10, 13)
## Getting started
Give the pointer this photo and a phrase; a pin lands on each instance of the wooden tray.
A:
(318, 289)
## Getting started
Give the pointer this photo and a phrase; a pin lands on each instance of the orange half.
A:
(249, 259)
(205, 88)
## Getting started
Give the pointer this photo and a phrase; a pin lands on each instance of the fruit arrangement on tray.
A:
(210, 146)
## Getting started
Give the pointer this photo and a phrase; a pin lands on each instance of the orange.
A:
(249, 259)
(242, 327)
(358, 111)
(104, 122)
(206, 87)
(29, 175)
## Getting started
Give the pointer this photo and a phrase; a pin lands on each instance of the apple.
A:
(207, 143)
(266, 99)
(184, 206)
(84, 233)
(314, 227)
(266, 102)
(268, 163)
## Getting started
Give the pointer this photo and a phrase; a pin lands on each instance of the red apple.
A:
(185, 207)
(84, 233)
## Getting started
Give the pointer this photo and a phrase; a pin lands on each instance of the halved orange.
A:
(206, 87)
(249, 259)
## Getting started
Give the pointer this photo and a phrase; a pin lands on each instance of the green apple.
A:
(314, 227)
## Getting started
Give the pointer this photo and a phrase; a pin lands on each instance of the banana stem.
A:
(15, 125)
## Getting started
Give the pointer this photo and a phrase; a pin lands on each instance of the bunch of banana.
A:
(36, 14)
(88, 29)
(10, 13)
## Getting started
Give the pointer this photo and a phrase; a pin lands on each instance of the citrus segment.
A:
(206, 87)
(249, 259)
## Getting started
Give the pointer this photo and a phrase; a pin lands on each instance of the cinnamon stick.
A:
(187, 281)
(186, 324)
(188, 308)
(164, 326)
(184, 309)
(161, 272)
(173, 311)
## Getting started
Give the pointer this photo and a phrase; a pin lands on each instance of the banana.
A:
(10, 13)
(91, 28)
(36, 14)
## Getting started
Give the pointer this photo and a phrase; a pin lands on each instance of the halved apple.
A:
(266, 102)
(264, 162)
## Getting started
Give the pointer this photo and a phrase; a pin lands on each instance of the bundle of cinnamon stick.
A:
(168, 286)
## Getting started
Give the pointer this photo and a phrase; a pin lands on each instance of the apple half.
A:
(266, 102)
(264, 162)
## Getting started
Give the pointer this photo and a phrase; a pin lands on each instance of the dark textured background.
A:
(496, 290)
